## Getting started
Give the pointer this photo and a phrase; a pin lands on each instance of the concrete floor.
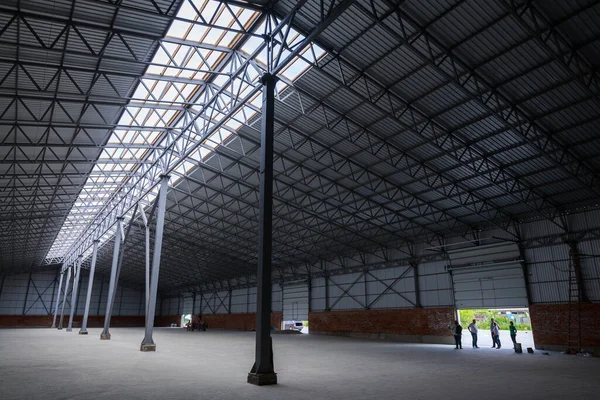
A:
(51, 364)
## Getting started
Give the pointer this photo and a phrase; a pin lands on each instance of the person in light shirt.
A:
(495, 331)
(473, 329)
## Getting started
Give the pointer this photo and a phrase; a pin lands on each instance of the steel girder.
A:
(417, 38)
(34, 95)
(555, 44)
(218, 106)
(418, 122)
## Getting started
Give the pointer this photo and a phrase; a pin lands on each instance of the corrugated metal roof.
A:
(443, 116)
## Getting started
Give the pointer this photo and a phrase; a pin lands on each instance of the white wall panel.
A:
(276, 299)
(317, 295)
(222, 302)
(489, 287)
(252, 305)
(239, 301)
(130, 301)
(40, 298)
(548, 273)
(187, 303)
(435, 285)
(295, 302)
(42, 294)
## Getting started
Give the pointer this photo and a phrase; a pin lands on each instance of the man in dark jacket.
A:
(457, 332)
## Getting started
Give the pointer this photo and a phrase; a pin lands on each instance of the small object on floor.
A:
(518, 348)
(530, 350)
(545, 353)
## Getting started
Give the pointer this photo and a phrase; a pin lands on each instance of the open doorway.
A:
(519, 316)
(185, 319)
(295, 307)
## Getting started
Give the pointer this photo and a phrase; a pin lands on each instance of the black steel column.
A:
(193, 305)
(525, 273)
(262, 372)
(26, 294)
(415, 268)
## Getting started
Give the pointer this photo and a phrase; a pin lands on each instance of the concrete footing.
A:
(69, 330)
(59, 328)
(83, 332)
(148, 347)
(262, 379)
(105, 336)
(53, 327)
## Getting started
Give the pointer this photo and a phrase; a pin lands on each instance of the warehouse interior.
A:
(361, 170)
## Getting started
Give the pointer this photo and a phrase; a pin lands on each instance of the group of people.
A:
(200, 325)
(494, 330)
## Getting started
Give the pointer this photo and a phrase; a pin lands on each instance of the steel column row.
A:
(151, 285)
(148, 343)
(88, 299)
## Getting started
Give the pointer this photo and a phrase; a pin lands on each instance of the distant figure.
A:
(473, 329)
(495, 331)
(457, 332)
(513, 334)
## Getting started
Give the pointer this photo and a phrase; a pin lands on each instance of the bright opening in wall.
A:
(185, 319)
(519, 316)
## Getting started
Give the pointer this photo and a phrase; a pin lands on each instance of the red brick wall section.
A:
(45, 321)
(416, 321)
(238, 322)
(217, 321)
(550, 323)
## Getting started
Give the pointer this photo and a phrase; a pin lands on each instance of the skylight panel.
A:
(161, 93)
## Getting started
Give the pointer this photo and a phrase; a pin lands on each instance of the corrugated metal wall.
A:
(548, 260)
(546, 257)
(544, 251)
(435, 285)
(217, 302)
(20, 295)
(548, 269)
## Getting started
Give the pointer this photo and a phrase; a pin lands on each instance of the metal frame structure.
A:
(394, 123)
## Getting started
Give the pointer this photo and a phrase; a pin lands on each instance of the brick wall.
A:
(239, 322)
(550, 326)
(45, 321)
(427, 325)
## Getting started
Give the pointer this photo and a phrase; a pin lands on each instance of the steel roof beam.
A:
(111, 29)
(449, 142)
(554, 43)
(503, 109)
(211, 105)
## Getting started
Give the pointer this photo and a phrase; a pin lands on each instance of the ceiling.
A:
(418, 119)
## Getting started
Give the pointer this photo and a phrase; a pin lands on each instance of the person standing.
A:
(457, 332)
(495, 330)
(513, 334)
(473, 329)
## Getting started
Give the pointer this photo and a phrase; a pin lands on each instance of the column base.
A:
(105, 336)
(83, 332)
(53, 327)
(69, 330)
(262, 379)
(148, 347)
(59, 328)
